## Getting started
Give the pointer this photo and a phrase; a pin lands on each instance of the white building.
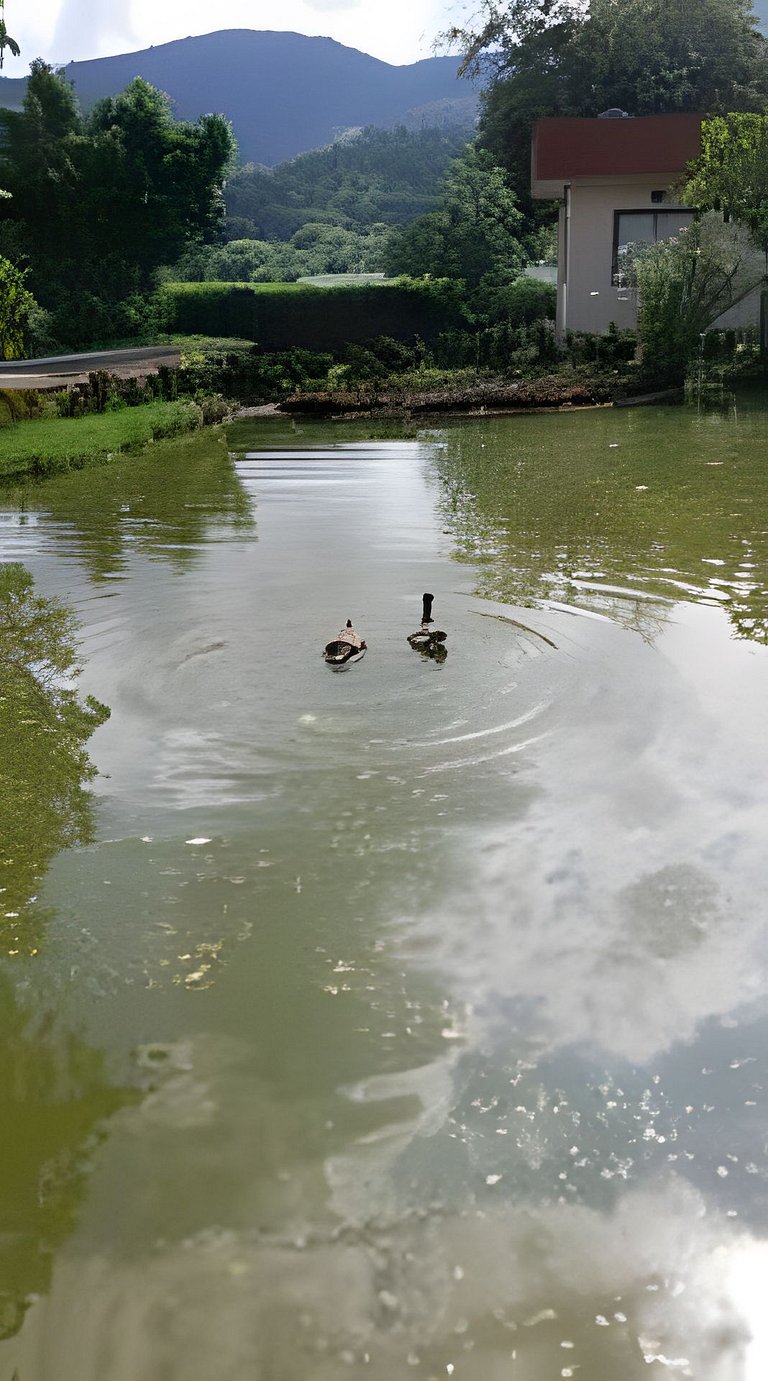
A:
(612, 175)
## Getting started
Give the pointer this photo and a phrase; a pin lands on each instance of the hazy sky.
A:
(397, 31)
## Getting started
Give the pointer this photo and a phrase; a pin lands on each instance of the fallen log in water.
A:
(487, 395)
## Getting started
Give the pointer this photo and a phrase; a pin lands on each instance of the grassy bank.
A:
(52, 445)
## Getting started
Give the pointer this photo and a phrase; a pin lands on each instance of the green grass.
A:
(51, 445)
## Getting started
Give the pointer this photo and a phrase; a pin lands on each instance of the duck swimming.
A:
(429, 641)
(347, 647)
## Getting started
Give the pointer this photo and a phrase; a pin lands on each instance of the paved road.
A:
(56, 371)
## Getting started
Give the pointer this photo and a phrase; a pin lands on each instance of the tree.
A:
(731, 173)
(38, 168)
(7, 42)
(99, 203)
(5, 38)
(314, 249)
(57, 1093)
(683, 284)
(474, 233)
(509, 29)
(378, 176)
(44, 726)
(16, 307)
(155, 182)
(648, 55)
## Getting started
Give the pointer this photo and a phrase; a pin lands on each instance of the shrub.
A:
(282, 316)
(213, 406)
(237, 369)
(17, 306)
(81, 320)
(525, 301)
(683, 285)
(17, 405)
(608, 351)
(381, 357)
(185, 415)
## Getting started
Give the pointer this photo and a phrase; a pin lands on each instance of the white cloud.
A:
(94, 23)
(332, 4)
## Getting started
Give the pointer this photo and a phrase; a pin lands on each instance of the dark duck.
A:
(430, 642)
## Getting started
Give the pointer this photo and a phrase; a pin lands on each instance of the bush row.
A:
(284, 316)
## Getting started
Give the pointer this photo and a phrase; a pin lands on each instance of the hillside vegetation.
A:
(328, 211)
(377, 176)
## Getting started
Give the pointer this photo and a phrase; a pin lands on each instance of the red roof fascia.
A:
(566, 148)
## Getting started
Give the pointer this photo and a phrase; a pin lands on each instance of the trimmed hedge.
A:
(282, 316)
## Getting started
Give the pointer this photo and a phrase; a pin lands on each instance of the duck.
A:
(429, 641)
(346, 647)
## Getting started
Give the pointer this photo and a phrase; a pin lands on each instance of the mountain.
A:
(284, 93)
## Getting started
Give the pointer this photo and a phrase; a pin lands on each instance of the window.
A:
(635, 229)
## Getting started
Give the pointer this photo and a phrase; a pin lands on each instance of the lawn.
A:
(50, 445)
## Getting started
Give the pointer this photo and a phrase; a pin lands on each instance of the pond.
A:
(407, 1019)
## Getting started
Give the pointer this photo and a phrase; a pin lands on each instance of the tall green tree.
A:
(38, 169)
(731, 173)
(100, 202)
(500, 33)
(154, 181)
(655, 56)
(474, 234)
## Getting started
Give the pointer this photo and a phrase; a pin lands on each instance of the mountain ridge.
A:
(285, 93)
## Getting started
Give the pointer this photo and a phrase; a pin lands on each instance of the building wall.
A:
(600, 166)
(745, 313)
(590, 301)
(586, 297)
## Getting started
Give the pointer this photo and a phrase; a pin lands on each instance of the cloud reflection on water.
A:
(655, 1289)
(623, 903)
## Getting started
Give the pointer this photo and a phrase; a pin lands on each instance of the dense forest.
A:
(372, 176)
(327, 211)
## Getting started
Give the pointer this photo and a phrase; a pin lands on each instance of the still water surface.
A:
(408, 1020)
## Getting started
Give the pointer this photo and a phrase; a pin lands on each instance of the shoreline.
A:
(491, 402)
(37, 447)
